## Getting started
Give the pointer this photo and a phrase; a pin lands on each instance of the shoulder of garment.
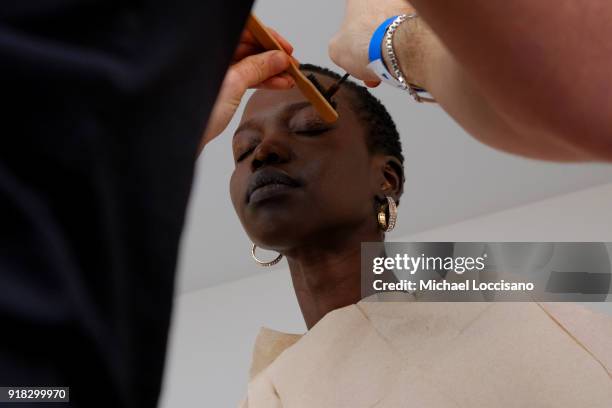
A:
(377, 354)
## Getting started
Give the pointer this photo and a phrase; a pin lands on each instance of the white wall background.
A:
(214, 328)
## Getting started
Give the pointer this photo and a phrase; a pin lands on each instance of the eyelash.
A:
(307, 132)
(311, 132)
(244, 155)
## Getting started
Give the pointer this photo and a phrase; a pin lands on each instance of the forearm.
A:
(427, 63)
(544, 67)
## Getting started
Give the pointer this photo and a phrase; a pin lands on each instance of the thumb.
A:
(249, 72)
(256, 69)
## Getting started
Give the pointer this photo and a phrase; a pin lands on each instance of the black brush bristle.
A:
(316, 83)
(327, 93)
(335, 87)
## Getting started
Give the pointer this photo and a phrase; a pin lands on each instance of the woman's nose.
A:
(270, 152)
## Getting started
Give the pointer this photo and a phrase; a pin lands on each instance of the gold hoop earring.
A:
(262, 263)
(382, 215)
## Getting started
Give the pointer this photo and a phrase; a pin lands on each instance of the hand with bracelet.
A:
(412, 53)
(350, 47)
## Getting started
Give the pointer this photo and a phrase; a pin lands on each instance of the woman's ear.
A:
(388, 178)
(393, 178)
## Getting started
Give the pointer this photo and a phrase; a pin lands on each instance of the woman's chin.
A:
(276, 236)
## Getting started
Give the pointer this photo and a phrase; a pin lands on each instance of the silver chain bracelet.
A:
(412, 90)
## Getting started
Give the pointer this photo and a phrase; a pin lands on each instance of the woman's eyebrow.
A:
(287, 111)
(295, 107)
(249, 124)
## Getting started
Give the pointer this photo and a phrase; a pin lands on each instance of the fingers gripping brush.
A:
(310, 87)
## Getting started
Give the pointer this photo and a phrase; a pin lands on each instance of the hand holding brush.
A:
(310, 87)
(252, 66)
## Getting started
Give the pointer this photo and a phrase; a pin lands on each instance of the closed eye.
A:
(311, 132)
(244, 155)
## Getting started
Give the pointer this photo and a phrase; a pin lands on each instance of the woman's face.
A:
(297, 179)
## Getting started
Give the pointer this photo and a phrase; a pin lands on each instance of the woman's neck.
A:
(327, 275)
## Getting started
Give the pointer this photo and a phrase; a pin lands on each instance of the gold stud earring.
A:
(385, 225)
(263, 263)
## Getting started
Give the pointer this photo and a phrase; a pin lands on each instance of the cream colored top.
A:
(438, 355)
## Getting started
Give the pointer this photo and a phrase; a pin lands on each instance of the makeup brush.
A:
(306, 86)
(331, 91)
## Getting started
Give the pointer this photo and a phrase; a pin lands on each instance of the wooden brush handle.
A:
(308, 89)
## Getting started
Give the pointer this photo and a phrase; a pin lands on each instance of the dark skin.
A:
(319, 224)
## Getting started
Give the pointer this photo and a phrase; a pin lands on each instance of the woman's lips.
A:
(268, 191)
(267, 183)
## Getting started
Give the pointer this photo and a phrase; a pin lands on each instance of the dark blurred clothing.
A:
(104, 103)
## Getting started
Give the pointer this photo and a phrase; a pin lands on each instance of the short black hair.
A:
(382, 134)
